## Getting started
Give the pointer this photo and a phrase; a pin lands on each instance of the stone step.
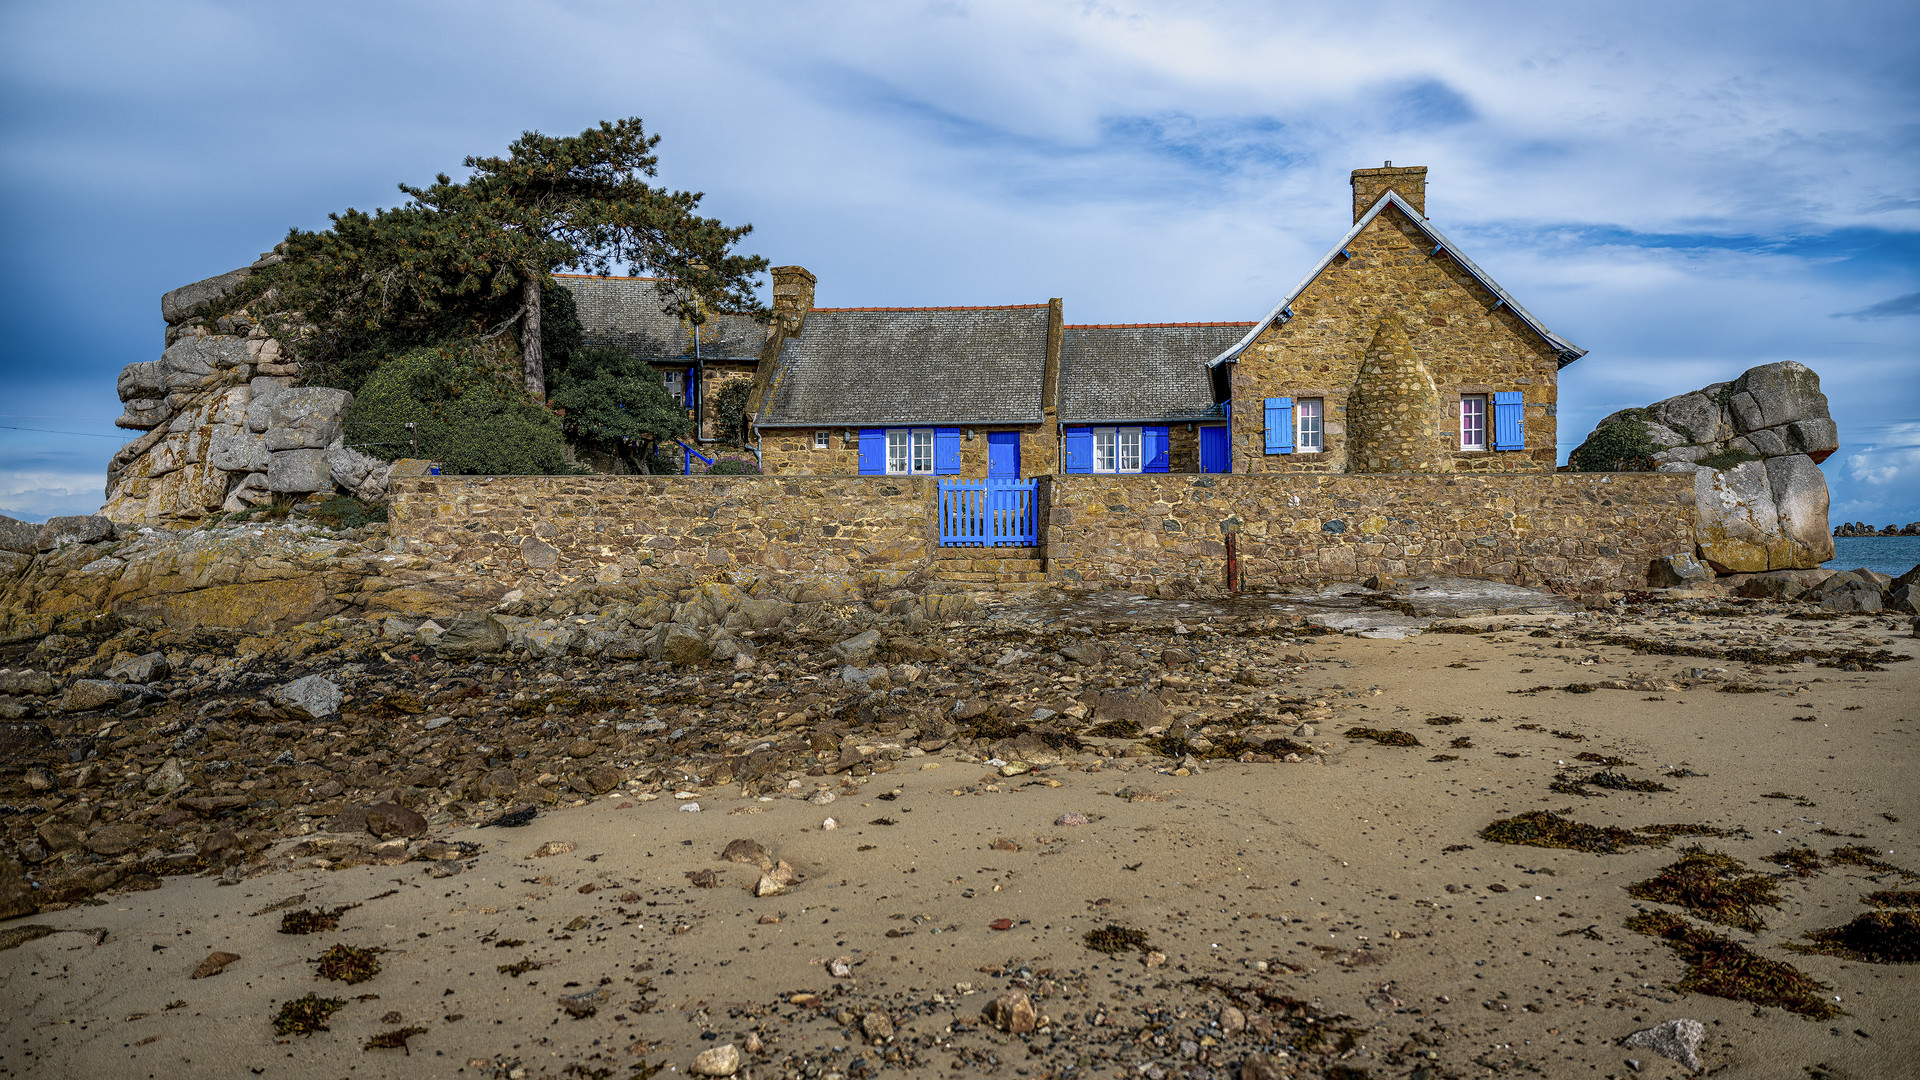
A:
(991, 552)
(1007, 566)
(986, 577)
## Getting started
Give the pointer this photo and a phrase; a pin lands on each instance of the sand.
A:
(1357, 887)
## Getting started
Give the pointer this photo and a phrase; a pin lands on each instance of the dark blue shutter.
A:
(1509, 420)
(1079, 450)
(1154, 449)
(946, 451)
(873, 452)
(1279, 425)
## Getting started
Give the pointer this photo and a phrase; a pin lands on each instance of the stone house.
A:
(1395, 353)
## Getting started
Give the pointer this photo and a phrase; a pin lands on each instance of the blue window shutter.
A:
(1079, 450)
(873, 452)
(946, 451)
(1509, 420)
(1154, 449)
(1279, 425)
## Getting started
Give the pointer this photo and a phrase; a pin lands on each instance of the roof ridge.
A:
(957, 307)
(612, 277)
(1152, 325)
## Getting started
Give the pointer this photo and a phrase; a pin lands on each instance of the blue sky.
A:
(1684, 195)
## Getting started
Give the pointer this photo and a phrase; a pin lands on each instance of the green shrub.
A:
(730, 407)
(345, 512)
(1621, 445)
(734, 466)
(1727, 459)
(472, 417)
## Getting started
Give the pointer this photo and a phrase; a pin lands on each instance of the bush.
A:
(730, 407)
(1620, 446)
(345, 512)
(472, 417)
(733, 466)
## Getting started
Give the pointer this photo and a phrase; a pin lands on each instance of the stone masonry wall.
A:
(1555, 529)
(556, 530)
(790, 452)
(1451, 326)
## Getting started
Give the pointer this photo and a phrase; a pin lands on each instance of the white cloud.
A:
(36, 496)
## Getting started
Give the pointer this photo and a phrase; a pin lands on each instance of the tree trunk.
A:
(530, 360)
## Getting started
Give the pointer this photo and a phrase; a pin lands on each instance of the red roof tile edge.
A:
(1147, 325)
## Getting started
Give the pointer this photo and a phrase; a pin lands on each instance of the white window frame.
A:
(909, 451)
(1117, 450)
(676, 383)
(1309, 426)
(1473, 421)
(820, 440)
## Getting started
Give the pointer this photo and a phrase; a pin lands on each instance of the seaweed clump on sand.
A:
(395, 1039)
(1117, 729)
(1894, 898)
(1866, 858)
(1575, 784)
(1800, 862)
(1544, 828)
(1712, 886)
(1876, 937)
(1383, 736)
(1114, 938)
(1721, 968)
(1668, 832)
(313, 920)
(304, 1016)
(344, 963)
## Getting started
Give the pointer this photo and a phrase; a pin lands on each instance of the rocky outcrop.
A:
(226, 425)
(1861, 528)
(1753, 447)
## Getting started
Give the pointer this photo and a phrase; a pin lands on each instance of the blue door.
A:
(1003, 455)
(1216, 454)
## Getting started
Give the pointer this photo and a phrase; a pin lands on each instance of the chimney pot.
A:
(792, 295)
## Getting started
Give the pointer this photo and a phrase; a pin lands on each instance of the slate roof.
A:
(625, 313)
(875, 366)
(1566, 350)
(1148, 371)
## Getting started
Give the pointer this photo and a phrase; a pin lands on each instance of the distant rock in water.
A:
(1753, 446)
(1861, 528)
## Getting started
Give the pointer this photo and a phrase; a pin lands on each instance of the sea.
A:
(1888, 554)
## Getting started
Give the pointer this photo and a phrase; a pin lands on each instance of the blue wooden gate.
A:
(989, 513)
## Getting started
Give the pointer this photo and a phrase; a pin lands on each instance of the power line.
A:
(50, 431)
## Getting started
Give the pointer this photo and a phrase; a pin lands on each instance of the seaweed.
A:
(304, 1016)
(1462, 743)
(1711, 886)
(1614, 781)
(1543, 828)
(344, 963)
(1682, 829)
(1114, 938)
(1875, 937)
(1801, 862)
(1722, 968)
(313, 920)
(1867, 659)
(395, 706)
(1893, 898)
(1443, 721)
(1600, 759)
(1385, 737)
(512, 819)
(1855, 855)
(1571, 736)
(1117, 729)
(517, 969)
(395, 1039)
(1444, 757)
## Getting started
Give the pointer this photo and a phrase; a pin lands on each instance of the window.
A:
(1311, 437)
(1116, 450)
(819, 440)
(909, 450)
(1473, 422)
(676, 382)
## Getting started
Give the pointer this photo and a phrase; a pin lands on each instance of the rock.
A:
(538, 554)
(1905, 598)
(115, 839)
(1675, 1039)
(859, 648)
(215, 963)
(1070, 818)
(34, 683)
(140, 669)
(1777, 584)
(723, 1060)
(298, 471)
(314, 696)
(184, 302)
(238, 450)
(598, 780)
(748, 852)
(390, 819)
(1141, 708)
(363, 476)
(74, 529)
(1846, 592)
(682, 645)
(1261, 1067)
(20, 537)
(548, 641)
(170, 777)
(39, 780)
(61, 835)
(1232, 1020)
(877, 1027)
(768, 886)
(1677, 571)
(84, 695)
(473, 633)
(1085, 652)
(306, 418)
(16, 895)
(1012, 1012)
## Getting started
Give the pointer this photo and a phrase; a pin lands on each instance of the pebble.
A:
(690, 808)
(722, 1060)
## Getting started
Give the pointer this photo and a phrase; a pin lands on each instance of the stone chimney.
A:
(1369, 184)
(792, 296)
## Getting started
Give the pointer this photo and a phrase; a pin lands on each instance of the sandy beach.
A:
(1340, 914)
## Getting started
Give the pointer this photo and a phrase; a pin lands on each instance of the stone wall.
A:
(1567, 530)
(551, 531)
(1453, 334)
(790, 451)
(1564, 530)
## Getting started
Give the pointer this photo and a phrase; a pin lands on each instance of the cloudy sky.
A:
(1683, 194)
